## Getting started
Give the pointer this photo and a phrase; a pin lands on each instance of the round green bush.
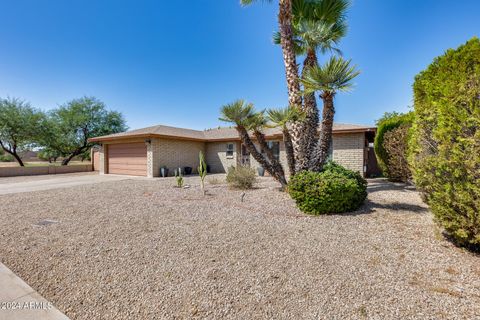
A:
(334, 190)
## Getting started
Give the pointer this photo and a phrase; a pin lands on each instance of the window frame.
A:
(228, 150)
(276, 154)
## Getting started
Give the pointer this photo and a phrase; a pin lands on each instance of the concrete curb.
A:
(18, 301)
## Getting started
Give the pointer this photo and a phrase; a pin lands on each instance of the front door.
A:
(245, 156)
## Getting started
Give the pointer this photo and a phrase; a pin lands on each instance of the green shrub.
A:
(395, 143)
(241, 177)
(445, 144)
(388, 122)
(179, 178)
(334, 190)
(6, 157)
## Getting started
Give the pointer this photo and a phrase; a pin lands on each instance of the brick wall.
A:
(283, 157)
(216, 156)
(173, 154)
(41, 170)
(348, 150)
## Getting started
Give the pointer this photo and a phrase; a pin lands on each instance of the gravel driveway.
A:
(141, 249)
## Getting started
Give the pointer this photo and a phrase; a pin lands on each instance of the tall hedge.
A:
(395, 143)
(446, 141)
(389, 122)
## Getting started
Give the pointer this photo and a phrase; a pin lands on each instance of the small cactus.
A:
(179, 178)
(202, 171)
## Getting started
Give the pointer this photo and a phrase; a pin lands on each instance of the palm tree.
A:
(288, 49)
(336, 75)
(289, 60)
(282, 118)
(245, 118)
(318, 25)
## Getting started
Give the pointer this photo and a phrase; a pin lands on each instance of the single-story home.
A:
(144, 151)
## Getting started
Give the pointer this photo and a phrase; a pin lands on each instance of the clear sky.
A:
(178, 62)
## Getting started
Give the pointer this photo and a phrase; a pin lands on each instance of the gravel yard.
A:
(141, 249)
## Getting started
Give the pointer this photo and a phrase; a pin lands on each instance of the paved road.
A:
(38, 183)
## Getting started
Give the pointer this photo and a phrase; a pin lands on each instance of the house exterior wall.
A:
(282, 156)
(173, 153)
(348, 150)
(216, 156)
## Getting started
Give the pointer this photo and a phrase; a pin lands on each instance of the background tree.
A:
(48, 155)
(20, 126)
(336, 75)
(71, 125)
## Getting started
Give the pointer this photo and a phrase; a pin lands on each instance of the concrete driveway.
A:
(38, 183)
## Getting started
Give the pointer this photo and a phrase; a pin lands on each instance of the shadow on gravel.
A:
(371, 206)
(381, 184)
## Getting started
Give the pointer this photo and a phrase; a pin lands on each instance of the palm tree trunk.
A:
(289, 57)
(245, 138)
(308, 139)
(291, 68)
(320, 155)
(287, 140)
(268, 151)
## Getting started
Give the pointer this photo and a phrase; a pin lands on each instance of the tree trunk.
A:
(288, 50)
(308, 139)
(291, 68)
(66, 160)
(13, 152)
(321, 151)
(245, 138)
(17, 157)
(287, 140)
(264, 145)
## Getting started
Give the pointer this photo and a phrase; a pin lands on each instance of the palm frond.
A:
(249, 2)
(320, 35)
(335, 75)
(238, 112)
(281, 117)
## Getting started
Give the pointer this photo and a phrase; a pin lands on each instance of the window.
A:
(275, 147)
(229, 150)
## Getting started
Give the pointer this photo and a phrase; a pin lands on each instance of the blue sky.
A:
(178, 62)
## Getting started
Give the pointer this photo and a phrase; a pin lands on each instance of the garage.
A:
(128, 159)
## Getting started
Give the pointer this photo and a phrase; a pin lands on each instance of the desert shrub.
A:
(241, 177)
(388, 122)
(395, 143)
(445, 144)
(179, 178)
(334, 190)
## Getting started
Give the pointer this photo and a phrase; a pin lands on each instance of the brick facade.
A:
(173, 154)
(216, 156)
(348, 150)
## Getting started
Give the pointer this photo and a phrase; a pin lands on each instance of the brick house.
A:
(144, 151)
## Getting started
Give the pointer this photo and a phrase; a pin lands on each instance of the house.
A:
(144, 151)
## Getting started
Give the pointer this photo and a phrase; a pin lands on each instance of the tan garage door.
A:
(127, 158)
